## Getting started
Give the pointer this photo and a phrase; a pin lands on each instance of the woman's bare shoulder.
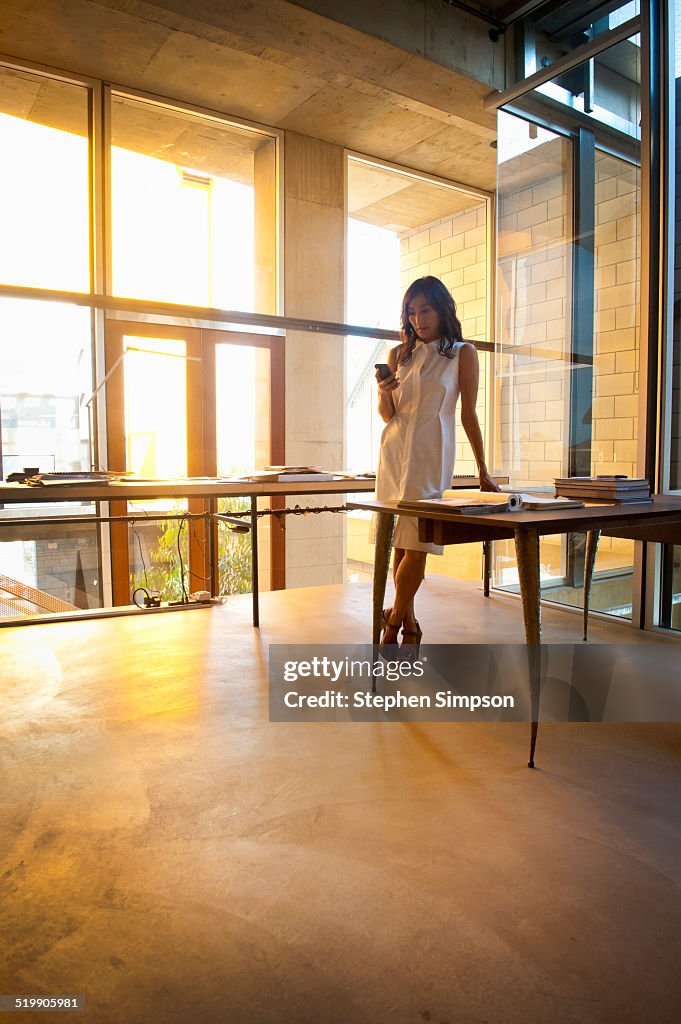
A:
(392, 357)
(468, 353)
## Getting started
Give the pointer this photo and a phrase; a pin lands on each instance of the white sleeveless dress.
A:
(418, 445)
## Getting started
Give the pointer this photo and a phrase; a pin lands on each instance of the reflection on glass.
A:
(156, 407)
(533, 275)
(617, 247)
(243, 444)
(45, 381)
(242, 374)
(402, 227)
(550, 31)
(669, 613)
(675, 424)
(46, 570)
(44, 199)
(569, 303)
(159, 552)
(184, 207)
(155, 375)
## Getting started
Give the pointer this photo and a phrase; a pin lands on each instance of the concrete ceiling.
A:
(273, 62)
(399, 202)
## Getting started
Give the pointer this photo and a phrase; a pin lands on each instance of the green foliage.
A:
(163, 563)
(234, 551)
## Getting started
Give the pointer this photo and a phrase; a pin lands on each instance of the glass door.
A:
(154, 430)
(187, 402)
(247, 388)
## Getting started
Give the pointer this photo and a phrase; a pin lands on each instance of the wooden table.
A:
(206, 488)
(659, 521)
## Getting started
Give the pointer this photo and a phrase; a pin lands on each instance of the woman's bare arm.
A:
(469, 376)
(386, 406)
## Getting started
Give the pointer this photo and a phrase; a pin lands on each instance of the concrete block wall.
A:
(617, 316)
(534, 288)
(455, 250)
(532, 388)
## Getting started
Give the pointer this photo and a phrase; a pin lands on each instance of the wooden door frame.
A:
(275, 346)
(115, 331)
(201, 437)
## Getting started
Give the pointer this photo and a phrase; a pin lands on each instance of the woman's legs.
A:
(408, 572)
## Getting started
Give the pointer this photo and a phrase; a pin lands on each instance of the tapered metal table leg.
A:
(527, 556)
(592, 539)
(254, 560)
(486, 565)
(384, 536)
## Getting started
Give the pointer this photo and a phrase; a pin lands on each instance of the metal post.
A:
(211, 528)
(254, 559)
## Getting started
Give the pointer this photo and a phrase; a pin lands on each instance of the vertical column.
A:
(314, 283)
(270, 540)
(265, 182)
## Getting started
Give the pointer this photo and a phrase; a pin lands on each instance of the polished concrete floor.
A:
(168, 852)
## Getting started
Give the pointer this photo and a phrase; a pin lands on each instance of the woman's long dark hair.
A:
(437, 296)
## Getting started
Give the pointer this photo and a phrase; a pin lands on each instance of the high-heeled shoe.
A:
(387, 624)
(411, 650)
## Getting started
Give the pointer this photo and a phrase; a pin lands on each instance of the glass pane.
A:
(44, 192)
(156, 563)
(569, 304)
(45, 386)
(670, 556)
(675, 431)
(552, 30)
(401, 228)
(533, 280)
(184, 208)
(243, 444)
(155, 402)
(155, 373)
(671, 616)
(47, 570)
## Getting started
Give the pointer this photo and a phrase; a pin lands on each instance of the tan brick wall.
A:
(617, 316)
(455, 250)
(534, 288)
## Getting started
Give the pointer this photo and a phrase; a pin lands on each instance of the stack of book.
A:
(74, 478)
(464, 502)
(616, 489)
(288, 474)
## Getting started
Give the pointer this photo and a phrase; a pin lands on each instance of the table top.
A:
(198, 487)
(193, 487)
(663, 509)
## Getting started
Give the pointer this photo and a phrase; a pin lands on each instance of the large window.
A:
(402, 226)
(187, 216)
(568, 313)
(44, 192)
(183, 207)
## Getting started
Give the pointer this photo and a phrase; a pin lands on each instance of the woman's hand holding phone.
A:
(387, 381)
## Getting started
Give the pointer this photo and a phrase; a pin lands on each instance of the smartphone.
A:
(383, 369)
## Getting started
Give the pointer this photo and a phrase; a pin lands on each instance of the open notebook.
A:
(468, 502)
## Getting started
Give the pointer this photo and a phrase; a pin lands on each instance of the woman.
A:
(431, 367)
